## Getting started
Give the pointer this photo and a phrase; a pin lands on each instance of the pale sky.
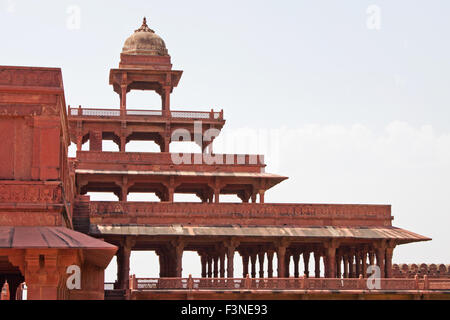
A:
(352, 95)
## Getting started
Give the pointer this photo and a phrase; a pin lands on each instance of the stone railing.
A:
(301, 283)
(117, 113)
(103, 212)
(411, 270)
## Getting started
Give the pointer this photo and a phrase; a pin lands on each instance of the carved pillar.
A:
(338, 264)
(203, 260)
(261, 263)
(166, 136)
(371, 258)
(351, 272)
(380, 253)
(358, 262)
(253, 262)
(261, 195)
(364, 262)
(123, 97)
(345, 262)
(317, 264)
(270, 253)
(296, 258)
(161, 262)
(330, 252)
(166, 100)
(287, 264)
(281, 247)
(210, 265)
(230, 247)
(123, 142)
(222, 264)
(244, 264)
(177, 251)
(79, 138)
(216, 266)
(123, 263)
(389, 253)
(216, 194)
(306, 255)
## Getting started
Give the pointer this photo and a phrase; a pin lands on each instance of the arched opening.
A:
(192, 192)
(142, 146)
(149, 192)
(231, 198)
(110, 142)
(102, 191)
(144, 264)
(143, 197)
(143, 100)
(144, 142)
(184, 147)
(236, 193)
(12, 275)
(102, 196)
(191, 264)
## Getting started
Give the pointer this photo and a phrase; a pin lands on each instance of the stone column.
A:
(123, 142)
(204, 261)
(358, 263)
(230, 247)
(244, 263)
(281, 256)
(270, 253)
(364, 262)
(389, 253)
(123, 97)
(79, 139)
(338, 265)
(317, 264)
(371, 258)
(351, 273)
(261, 196)
(306, 255)
(287, 263)
(125, 252)
(216, 194)
(296, 258)
(330, 252)
(261, 263)
(161, 262)
(216, 266)
(210, 265)
(345, 262)
(253, 262)
(166, 100)
(222, 265)
(380, 254)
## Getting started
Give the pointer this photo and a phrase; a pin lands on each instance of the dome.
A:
(144, 41)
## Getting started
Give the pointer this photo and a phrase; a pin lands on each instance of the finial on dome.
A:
(144, 27)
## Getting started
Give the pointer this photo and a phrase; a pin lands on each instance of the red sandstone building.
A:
(48, 223)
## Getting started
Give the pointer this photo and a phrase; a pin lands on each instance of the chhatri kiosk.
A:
(43, 190)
